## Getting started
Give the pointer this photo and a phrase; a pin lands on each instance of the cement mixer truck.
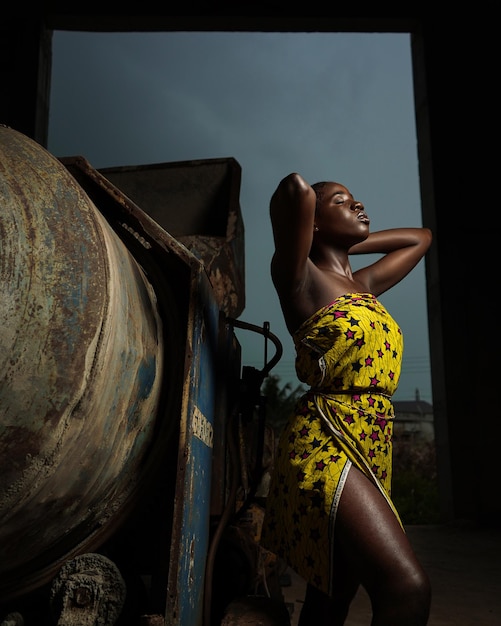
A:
(131, 437)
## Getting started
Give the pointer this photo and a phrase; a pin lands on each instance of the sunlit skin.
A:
(314, 240)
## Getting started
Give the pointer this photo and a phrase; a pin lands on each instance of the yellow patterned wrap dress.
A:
(349, 353)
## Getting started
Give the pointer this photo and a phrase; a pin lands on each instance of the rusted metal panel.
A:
(197, 202)
(190, 537)
(228, 395)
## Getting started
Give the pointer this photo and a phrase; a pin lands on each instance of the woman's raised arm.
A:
(292, 212)
(402, 249)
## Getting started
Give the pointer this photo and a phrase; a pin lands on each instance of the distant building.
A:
(413, 420)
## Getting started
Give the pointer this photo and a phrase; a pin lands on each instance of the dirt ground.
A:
(464, 565)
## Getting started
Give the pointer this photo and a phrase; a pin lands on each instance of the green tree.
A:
(280, 401)
(415, 487)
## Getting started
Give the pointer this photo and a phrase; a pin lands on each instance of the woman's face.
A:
(339, 217)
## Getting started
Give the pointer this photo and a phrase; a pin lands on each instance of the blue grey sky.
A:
(331, 106)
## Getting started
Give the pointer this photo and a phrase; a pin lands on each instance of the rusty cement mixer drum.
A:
(80, 367)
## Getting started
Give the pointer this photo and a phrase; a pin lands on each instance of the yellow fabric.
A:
(349, 353)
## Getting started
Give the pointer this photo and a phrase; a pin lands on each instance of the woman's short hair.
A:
(318, 188)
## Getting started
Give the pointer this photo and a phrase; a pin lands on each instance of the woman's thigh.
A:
(370, 541)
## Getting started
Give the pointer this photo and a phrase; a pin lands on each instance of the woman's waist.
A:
(350, 391)
(370, 401)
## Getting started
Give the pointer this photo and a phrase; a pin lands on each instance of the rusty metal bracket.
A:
(88, 591)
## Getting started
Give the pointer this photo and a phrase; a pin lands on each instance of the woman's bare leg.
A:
(373, 550)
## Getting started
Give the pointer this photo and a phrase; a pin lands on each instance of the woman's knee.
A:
(418, 586)
(406, 596)
(413, 582)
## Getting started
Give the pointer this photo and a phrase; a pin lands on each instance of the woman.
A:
(329, 512)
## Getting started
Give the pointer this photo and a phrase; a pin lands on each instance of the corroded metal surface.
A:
(80, 365)
(89, 590)
(197, 202)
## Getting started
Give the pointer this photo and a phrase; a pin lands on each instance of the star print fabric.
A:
(349, 353)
